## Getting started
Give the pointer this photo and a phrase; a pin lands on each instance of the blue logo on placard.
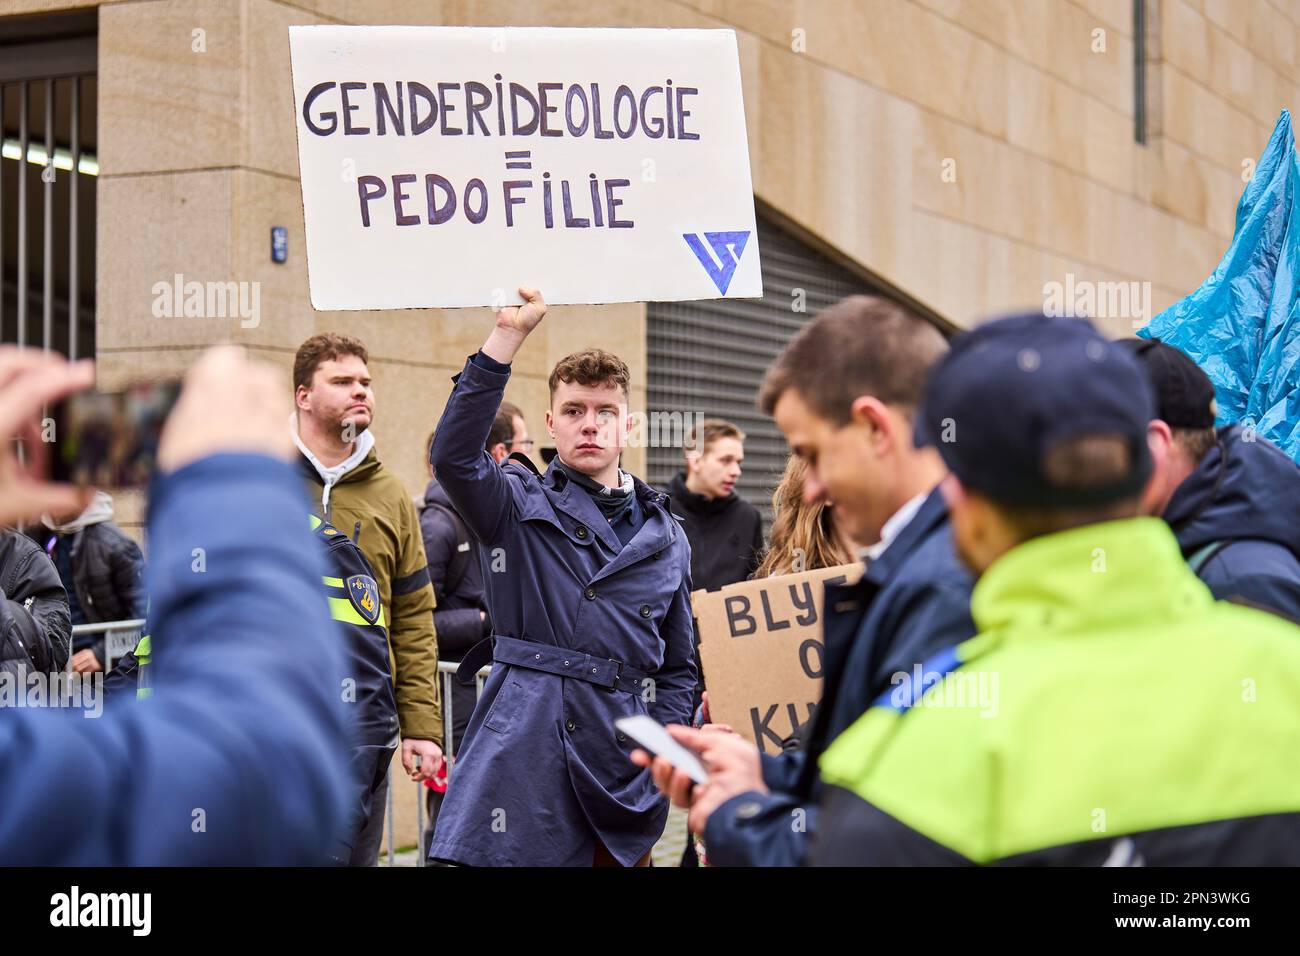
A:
(727, 247)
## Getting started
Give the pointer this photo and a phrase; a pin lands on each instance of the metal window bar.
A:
(32, 148)
(74, 290)
(1140, 71)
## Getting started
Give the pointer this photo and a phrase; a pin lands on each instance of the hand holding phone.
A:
(652, 735)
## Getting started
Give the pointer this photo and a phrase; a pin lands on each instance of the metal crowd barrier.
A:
(120, 639)
(447, 671)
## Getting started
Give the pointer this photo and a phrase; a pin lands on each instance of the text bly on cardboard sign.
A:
(445, 166)
(761, 649)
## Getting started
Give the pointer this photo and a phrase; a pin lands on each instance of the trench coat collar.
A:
(574, 501)
(658, 531)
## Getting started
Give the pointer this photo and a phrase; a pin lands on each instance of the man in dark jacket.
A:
(844, 392)
(35, 632)
(100, 568)
(460, 616)
(247, 696)
(1106, 714)
(1226, 493)
(591, 619)
(725, 531)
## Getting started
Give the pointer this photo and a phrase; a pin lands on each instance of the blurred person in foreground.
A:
(844, 392)
(1133, 720)
(246, 702)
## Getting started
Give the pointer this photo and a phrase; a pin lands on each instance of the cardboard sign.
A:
(761, 649)
(446, 166)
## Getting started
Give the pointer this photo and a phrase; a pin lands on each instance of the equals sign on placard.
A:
(519, 159)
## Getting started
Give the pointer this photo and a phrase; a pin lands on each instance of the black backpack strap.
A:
(464, 548)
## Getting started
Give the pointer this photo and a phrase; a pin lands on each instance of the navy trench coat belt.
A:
(563, 661)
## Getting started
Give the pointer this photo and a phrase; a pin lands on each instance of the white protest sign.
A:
(445, 166)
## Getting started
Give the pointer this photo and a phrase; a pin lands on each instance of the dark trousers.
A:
(371, 766)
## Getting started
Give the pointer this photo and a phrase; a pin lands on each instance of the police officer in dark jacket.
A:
(370, 708)
(1227, 494)
(100, 568)
(35, 633)
(725, 531)
(843, 392)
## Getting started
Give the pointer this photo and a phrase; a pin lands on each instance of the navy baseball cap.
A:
(1008, 390)
(1184, 393)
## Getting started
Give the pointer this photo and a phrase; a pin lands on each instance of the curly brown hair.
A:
(591, 367)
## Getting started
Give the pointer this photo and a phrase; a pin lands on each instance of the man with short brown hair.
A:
(519, 440)
(726, 532)
(352, 490)
(843, 392)
(589, 588)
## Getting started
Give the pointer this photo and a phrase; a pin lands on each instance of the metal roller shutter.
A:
(709, 357)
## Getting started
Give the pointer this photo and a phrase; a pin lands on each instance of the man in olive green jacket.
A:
(349, 486)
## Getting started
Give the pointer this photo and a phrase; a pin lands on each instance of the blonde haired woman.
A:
(804, 537)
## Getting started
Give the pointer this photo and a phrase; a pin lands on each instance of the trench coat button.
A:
(570, 726)
(622, 737)
(566, 663)
(645, 610)
(748, 810)
(590, 594)
(581, 532)
(537, 657)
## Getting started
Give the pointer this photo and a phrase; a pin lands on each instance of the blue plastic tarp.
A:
(1243, 324)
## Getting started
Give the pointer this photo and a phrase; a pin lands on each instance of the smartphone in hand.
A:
(651, 735)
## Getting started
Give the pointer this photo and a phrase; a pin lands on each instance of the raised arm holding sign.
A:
(589, 584)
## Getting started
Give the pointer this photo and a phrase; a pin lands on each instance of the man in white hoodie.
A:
(349, 487)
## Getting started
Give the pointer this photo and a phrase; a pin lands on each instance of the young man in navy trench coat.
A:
(589, 584)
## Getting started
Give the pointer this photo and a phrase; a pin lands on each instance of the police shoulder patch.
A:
(363, 592)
